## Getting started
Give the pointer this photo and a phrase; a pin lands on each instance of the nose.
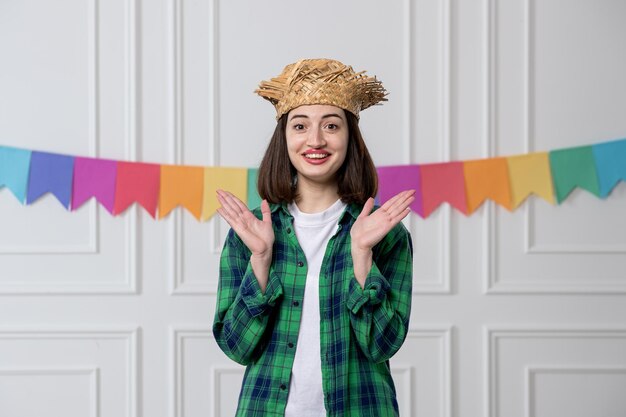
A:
(316, 138)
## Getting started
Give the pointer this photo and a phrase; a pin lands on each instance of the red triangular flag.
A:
(137, 182)
(443, 182)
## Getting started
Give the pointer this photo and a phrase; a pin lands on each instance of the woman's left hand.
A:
(369, 229)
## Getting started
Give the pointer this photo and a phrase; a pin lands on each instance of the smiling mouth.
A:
(316, 155)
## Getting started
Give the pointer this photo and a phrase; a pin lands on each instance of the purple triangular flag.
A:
(94, 178)
(395, 179)
(53, 173)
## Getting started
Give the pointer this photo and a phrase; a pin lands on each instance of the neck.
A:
(314, 198)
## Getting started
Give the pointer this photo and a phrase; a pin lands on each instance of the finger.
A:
(241, 208)
(225, 208)
(403, 211)
(402, 215)
(230, 215)
(399, 202)
(367, 207)
(229, 203)
(226, 217)
(238, 202)
(235, 221)
(387, 205)
(265, 210)
(401, 205)
(228, 196)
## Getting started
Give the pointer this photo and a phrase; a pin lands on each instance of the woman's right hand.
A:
(257, 235)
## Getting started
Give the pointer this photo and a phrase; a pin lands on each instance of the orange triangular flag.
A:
(181, 185)
(487, 178)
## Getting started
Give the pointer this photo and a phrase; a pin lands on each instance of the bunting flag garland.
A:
(610, 160)
(443, 182)
(14, 167)
(253, 199)
(487, 178)
(234, 180)
(94, 178)
(394, 179)
(50, 173)
(529, 174)
(137, 183)
(571, 168)
(159, 188)
(181, 185)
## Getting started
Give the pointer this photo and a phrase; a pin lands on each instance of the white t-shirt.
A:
(313, 230)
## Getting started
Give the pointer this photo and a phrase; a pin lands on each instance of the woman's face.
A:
(317, 142)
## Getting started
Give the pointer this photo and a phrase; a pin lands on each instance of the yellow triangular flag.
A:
(530, 173)
(233, 180)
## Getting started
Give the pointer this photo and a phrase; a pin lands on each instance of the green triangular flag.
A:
(571, 168)
(253, 196)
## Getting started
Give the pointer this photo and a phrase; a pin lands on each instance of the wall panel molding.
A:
(530, 244)
(541, 284)
(532, 372)
(178, 285)
(443, 334)
(177, 335)
(94, 246)
(215, 390)
(180, 333)
(493, 334)
(92, 373)
(441, 283)
(404, 378)
(128, 334)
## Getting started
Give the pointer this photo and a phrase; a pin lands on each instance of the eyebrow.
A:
(323, 117)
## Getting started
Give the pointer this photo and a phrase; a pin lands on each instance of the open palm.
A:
(369, 229)
(256, 234)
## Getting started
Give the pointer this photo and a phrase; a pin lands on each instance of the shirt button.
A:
(289, 230)
(283, 387)
(300, 263)
(296, 304)
(290, 344)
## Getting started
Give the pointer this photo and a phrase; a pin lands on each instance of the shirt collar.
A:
(352, 209)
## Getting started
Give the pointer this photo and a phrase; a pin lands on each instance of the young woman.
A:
(314, 293)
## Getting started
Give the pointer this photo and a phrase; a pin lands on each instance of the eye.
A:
(332, 126)
(298, 126)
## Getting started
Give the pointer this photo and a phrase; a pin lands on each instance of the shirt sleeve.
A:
(379, 312)
(242, 311)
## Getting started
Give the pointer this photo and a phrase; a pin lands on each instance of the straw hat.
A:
(321, 81)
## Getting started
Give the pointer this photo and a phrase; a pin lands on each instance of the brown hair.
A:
(357, 179)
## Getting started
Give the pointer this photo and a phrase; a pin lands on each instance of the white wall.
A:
(514, 314)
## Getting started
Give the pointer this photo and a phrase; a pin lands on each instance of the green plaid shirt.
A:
(360, 328)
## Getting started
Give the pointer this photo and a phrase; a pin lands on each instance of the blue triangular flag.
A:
(610, 164)
(14, 164)
(53, 173)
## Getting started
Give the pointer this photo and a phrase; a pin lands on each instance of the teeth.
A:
(316, 155)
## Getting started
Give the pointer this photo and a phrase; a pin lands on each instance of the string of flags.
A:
(159, 188)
